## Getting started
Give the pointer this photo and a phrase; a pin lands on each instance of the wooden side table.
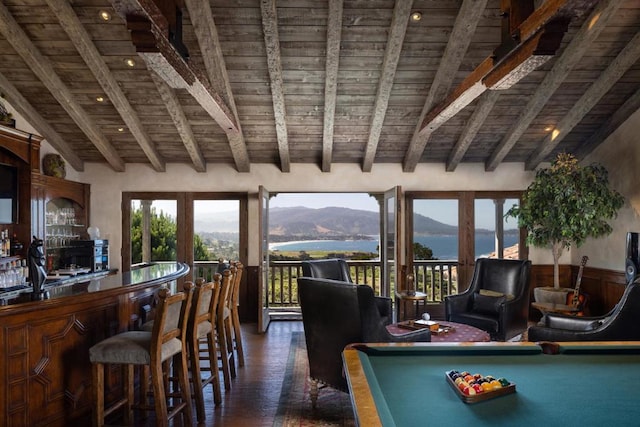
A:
(404, 297)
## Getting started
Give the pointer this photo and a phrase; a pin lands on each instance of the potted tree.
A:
(566, 204)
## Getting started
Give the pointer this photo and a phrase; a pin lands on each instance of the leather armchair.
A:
(497, 300)
(620, 324)
(338, 269)
(335, 314)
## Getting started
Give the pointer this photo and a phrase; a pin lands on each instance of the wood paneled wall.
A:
(603, 287)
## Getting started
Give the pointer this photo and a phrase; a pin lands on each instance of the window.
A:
(195, 228)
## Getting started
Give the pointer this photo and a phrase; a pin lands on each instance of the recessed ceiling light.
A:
(548, 129)
(416, 16)
(99, 98)
(120, 129)
(104, 15)
(130, 62)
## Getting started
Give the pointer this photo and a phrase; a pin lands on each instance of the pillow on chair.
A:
(490, 293)
(487, 304)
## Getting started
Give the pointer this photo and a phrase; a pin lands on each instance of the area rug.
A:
(294, 408)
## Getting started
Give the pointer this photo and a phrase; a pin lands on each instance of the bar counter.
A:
(44, 345)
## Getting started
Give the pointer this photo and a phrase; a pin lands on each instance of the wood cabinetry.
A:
(51, 200)
(39, 193)
(21, 150)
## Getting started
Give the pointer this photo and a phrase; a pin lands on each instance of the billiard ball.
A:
(469, 391)
(486, 386)
(462, 385)
(504, 382)
(495, 384)
(478, 388)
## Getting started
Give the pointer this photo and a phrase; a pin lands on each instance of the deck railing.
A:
(436, 278)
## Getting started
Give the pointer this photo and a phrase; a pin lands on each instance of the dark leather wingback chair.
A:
(338, 269)
(497, 300)
(620, 324)
(335, 314)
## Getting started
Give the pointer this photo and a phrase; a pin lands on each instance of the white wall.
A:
(620, 154)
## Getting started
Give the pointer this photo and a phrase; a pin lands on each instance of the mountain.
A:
(329, 221)
(336, 222)
(302, 223)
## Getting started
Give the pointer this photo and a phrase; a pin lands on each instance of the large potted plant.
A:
(566, 204)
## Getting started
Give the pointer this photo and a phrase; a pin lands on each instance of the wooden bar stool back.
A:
(224, 330)
(235, 316)
(166, 342)
(201, 329)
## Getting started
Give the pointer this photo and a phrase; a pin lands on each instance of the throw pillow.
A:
(490, 293)
(485, 304)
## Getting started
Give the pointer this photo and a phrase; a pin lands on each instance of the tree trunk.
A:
(557, 253)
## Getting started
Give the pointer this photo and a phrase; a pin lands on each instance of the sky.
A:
(444, 211)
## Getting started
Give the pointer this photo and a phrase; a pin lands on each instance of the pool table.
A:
(556, 384)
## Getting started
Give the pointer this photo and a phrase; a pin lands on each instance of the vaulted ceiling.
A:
(320, 82)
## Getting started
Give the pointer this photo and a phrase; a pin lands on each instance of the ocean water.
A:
(443, 247)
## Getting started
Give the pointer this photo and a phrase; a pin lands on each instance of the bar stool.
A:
(235, 316)
(201, 327)
(150, 350)
(224, 329)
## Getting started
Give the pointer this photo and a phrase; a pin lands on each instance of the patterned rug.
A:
(294, 409)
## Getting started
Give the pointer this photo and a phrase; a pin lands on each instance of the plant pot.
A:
(549, 294)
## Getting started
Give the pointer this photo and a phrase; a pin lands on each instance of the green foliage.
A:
(566, 204)
(422, 252)
(163, 238)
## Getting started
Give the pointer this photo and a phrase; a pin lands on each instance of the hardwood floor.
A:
(255, 392)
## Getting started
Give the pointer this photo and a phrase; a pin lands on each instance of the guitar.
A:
(575, 298)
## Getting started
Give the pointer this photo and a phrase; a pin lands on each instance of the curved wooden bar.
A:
(44, 345)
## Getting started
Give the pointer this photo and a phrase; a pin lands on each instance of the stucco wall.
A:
(620, 154)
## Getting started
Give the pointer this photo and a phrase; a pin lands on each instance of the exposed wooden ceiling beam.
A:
(578, 46)
(630, 106)
(17, 101)
(475, 122)
(397, 32)
(207, 35)
(42, 68)
(181, 122)
(272, 43)
(625, 59)
(149, 34)
(461, 34)
(334, 35)
(85, 47)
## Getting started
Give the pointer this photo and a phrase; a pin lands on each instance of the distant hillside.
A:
(336, 222)
(302, 223)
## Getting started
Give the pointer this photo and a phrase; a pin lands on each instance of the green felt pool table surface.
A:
(585, 384)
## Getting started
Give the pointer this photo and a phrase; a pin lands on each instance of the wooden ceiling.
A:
(320, 82)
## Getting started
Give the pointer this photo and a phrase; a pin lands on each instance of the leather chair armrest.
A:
(571, 323)
(385, 308)
(423, 335)
(457, 303)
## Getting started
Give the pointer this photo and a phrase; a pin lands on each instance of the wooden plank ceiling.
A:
(320, 82)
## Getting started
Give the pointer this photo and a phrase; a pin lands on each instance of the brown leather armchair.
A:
(334, 314)
(497, 300)
(620, 324)
(338, 269)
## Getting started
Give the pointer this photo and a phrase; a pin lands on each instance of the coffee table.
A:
(459, 332)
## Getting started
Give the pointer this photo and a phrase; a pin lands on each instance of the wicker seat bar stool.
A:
(150, 350)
